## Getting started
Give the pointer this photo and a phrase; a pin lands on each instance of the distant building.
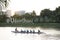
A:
(20, 12)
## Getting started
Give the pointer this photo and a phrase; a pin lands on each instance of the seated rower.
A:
(16, 30)
(38, 31)
(33, 31)
(30, 31)
(27, 31)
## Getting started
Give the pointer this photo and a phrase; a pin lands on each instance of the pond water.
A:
(49, 34)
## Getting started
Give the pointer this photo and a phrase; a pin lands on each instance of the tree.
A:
(3, 18)
(16, 16)
(57, 14)
(5, 2)
(33, 13)
(46, 12)
(27, 16)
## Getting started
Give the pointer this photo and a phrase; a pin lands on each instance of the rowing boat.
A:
(27, 32)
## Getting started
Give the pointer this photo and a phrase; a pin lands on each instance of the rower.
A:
(33, 31)
(27, 31)
(38, 31)
(30, 31)
(16, 30)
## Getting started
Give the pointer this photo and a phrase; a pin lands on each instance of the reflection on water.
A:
(6, 34)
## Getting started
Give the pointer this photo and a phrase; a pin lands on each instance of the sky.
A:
(30, 5)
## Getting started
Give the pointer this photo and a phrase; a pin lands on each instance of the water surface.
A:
(49, 34)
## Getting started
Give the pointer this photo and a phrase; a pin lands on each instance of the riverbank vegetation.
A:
(46, 19)
(43, 25)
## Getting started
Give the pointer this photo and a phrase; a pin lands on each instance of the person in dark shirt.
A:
(16, 30)
(38, 31)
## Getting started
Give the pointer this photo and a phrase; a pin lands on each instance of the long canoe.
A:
(26, 32)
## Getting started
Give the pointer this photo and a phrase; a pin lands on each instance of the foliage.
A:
(27, 16)
(16, 16)
(46, 12)
(33, 13)
(53, 16)
(6, 2)
(3, 18)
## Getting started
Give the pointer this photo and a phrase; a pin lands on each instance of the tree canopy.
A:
(6, 2)
(33, 13)
(52, 15)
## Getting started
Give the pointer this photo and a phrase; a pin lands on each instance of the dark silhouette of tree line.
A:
(52, 16)
(46, 16)
(3, 18)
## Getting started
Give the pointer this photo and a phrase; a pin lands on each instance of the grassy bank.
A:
(43, 25)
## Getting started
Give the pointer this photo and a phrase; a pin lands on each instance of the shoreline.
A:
(42, 25)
